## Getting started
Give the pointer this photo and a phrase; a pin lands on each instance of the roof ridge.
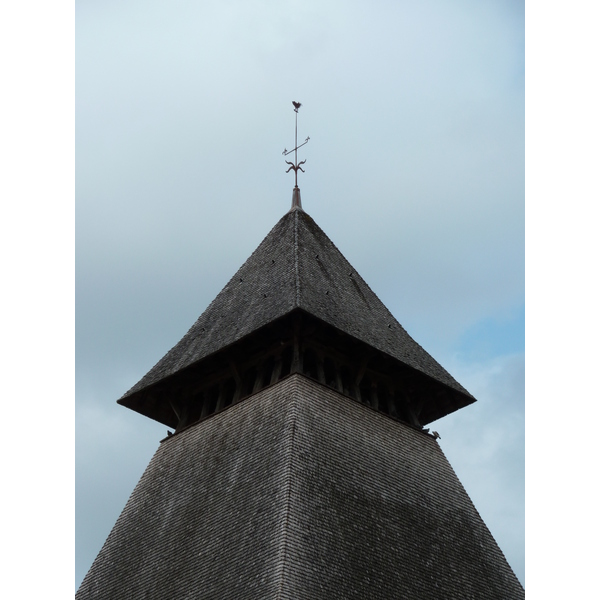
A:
(282, 558)
(296, 269)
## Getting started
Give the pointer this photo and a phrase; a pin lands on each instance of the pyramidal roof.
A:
(300, 493)
(296, 267)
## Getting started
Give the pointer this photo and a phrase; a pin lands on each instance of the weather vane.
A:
(295, 165)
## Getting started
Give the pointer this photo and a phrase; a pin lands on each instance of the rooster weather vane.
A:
(295, 165)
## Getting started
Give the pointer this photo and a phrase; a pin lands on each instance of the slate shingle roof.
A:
(296, 267)
(300, 493)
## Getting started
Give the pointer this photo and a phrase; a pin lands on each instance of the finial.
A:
(295, 165)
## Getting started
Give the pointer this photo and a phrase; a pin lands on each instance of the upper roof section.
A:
(297, 268)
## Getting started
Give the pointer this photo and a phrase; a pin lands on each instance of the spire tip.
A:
(296, 201)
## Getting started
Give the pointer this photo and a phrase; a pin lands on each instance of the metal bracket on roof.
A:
(238, 382)
(174, 409)
(361, 370)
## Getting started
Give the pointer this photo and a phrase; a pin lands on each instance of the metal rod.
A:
(295, 165)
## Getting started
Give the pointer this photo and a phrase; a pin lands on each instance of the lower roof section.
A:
(300, 493)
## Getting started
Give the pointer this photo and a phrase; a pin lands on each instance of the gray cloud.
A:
(486, 445)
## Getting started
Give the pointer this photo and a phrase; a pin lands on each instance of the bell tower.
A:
(300, 466)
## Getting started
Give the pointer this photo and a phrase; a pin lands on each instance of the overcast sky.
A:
(414, 169)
